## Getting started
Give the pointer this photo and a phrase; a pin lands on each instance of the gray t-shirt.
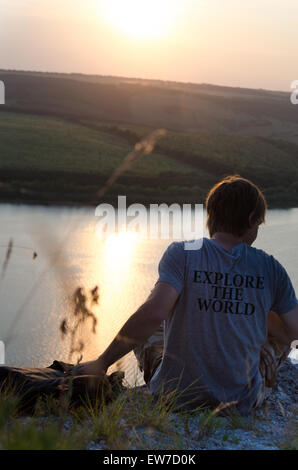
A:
(214, 336)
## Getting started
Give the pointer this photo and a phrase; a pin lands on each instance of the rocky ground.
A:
(274, 426)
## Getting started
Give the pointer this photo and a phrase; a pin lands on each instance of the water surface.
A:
(36, 293)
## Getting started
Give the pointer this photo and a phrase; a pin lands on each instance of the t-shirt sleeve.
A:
(171, 267)
(284, 297)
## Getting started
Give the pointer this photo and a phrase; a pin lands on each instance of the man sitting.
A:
(229, 310)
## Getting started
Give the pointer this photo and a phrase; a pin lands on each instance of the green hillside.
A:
(61, 137)
(45, 159)
(179, 107)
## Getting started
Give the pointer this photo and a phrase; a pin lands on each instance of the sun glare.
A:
(119, 249)
(147, 19)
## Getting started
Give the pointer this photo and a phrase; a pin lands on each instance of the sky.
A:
(225, 42)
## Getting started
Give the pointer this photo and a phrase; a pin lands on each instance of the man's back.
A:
(214, 337)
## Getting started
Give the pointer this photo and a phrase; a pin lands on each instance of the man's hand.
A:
(96, 367)
(272, 356)
(138, 328)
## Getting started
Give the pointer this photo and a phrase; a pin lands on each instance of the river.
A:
(38, 284)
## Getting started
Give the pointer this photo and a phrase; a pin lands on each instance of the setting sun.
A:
(140, 18)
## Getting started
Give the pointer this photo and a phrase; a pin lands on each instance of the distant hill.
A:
(61, 136)
(175, 106)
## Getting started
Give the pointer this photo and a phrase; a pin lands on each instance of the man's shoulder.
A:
(258, 251)
(262, 257)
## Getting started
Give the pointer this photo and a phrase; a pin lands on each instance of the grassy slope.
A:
(55, 160)
(61, 137)
(69, 157)
(180, 107)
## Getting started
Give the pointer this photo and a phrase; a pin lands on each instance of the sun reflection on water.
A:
(113, 268)
(118, 250)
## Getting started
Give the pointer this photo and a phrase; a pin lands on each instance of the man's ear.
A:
(251, 219)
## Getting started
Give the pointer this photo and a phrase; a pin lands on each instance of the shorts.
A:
(149, 356)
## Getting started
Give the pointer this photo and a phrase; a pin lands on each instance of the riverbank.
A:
(133, 422)
(17, 193)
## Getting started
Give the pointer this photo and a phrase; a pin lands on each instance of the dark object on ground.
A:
(60, 381)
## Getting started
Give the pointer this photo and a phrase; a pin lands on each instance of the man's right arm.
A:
(290, 320)
(283, 328)
(283, 323)
(138, 328)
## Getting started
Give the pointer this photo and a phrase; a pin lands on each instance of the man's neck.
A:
(226, 240)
